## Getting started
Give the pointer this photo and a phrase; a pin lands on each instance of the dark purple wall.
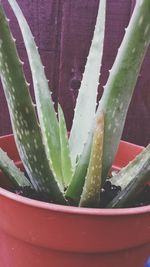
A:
(63, 31)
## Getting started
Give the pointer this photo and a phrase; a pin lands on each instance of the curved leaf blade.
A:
(132, 179)
(23, 118)
(91, 191)
(75, 188)
(15, 175)
(87, 97)
(45, 108)
(65, 151)
(122, 79)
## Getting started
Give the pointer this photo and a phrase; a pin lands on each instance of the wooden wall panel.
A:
(78, 19)
(43, 18)
(76, 33)
(137, 127)
(63, 31)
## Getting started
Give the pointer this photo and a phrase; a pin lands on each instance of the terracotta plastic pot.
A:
(36, 234)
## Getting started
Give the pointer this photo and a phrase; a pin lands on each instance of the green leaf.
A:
(9, 168)
(132, 179)
(65, 152)
(87, 97)
(122, 80)
(23, 118)
(91, 191)
(45, 108)
(75, 188)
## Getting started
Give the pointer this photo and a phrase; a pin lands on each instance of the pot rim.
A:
(73, 210)
(70, 209)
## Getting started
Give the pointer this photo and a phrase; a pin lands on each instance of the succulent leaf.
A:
(132, 179)
(65, 151)
(122, 79)
(75, 188)
(45, 150)
(91, 191)
(24, 122)
(15, 175)
(87, 97)
(45, 108)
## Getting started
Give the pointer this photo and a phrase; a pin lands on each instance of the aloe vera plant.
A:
(73, 170)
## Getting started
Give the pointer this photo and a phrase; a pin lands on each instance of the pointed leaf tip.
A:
(87, 97)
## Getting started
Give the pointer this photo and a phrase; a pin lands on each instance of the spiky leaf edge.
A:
(45, 108)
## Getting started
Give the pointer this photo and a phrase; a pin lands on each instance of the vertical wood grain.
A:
(77, 29)
(63, 30)
(78, 19)
(42, 16)
(137, 127)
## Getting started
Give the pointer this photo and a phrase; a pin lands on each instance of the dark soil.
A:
(108, 192)
(31, 193)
